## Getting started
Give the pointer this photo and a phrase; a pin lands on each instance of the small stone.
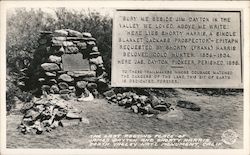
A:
(188, 105)
(73, 33)
(55, 59)
(61, 39)
(86, 34)
(45, 87)
(95, 49)
(66, 78)
(50, 67)
(134, 108)
(92, 85)
(63, 85)
(68, 43)
(65, 97)
(54, 89)
(82, 45)
(49, 74)
(64, 91)
(61, 33)
(91, 43)
(97, 60)
(93, 67)
(81, 84)
(109, 93)
(82, 74)
(71, 50)
(161, 107)
(53, 81)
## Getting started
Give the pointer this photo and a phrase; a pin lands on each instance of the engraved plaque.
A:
(74, 62)
(177, 48)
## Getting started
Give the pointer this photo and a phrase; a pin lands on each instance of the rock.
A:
(72, 88)
(64, 91)
(81, 84)
(90, 97)
(95, 49)
(66, 78)
(109, 93)
(31, 113)
(50, 67)
(93, 67)
(57, 43)
(65, 97)
(27, 106)
(41, 79)
(134, 108)
(71, 50)
(82, 45)
(63, 85)
(54, 89)
(86, 34)
(188, 105)
(68, 43)
(91, 85)
(49, 74)
(55, 59)
(89, 79)
(161, 108)
(61, 50)
(91, 43)
(61, 33)
(42, 41)
(82, 73)
(52, 81)
(73, 33)
(155, 101)
(94, 54)
(45, 87)
(97, 60)
(60, 39)
(173, 115)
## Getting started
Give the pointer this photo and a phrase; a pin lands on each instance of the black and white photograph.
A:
(108, 76)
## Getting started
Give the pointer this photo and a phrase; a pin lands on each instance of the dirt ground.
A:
(218, 114)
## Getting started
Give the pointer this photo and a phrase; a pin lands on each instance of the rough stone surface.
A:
(50, 67)
(82, 73)
(63, 85)
(188, 105)
(81, 84)
(66, 78)
(54, 89)
(49, 74)
(55, 59)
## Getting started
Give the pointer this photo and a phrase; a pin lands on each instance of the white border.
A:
(4, 5)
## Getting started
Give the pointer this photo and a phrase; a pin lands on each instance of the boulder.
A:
(65, 97)
(188, 105)
(81, 84)
(95, 49)
(61, 39)
(155, 101)
(90, 97)
(98, 60)
(61, 33)
(50, 67)
(109, 94)
(63, 85)
(134, 108)
(52, 81)
(65, 78)
(55, 59)
(91, 43)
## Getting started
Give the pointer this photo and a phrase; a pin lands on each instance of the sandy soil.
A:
(218, 114)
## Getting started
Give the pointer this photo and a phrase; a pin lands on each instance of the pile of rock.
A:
(142, 104)
(67, 62)
(47, 113)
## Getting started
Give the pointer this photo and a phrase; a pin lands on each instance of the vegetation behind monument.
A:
(23, 29)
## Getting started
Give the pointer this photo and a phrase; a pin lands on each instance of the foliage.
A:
(23, 29)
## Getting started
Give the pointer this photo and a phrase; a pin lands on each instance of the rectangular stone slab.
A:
(75, 62)
(177, 48)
